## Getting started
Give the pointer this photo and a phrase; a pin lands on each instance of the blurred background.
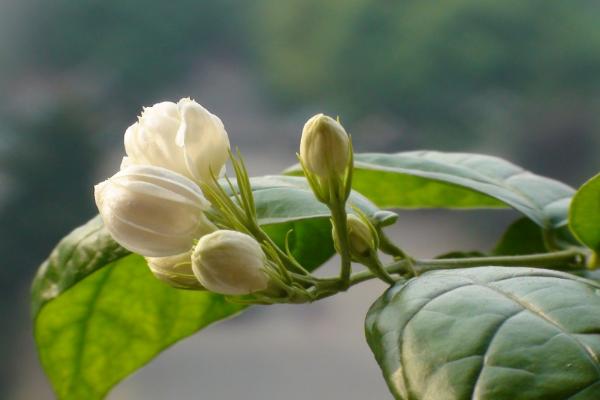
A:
(517, 79)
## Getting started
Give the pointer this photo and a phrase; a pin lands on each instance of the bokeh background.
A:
(517, 79)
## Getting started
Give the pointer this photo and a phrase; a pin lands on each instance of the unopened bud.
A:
(324, 146)
(153, 211)
(175, 271)
(361, 240)
(230, 263)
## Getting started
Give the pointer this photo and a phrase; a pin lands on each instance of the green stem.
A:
(378, 270)
(339, 221)
(560, 260)
(261, 236)
(388, 247)
(550, 240)
(567, 260)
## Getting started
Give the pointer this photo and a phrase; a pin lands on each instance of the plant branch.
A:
(340, 225)
(559, 260)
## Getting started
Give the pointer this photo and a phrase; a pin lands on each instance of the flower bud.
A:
(175, 271)
(153, 211)
(230, 263)
(324, 146)
(361, 240)
(183, 137)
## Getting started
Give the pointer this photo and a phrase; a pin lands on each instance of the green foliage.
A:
(115, 321)
(465, 62)
(522, 237)
(584, 218)
(99, 314)
(134, 45)
(429, 179)
(82, 252)
(489, 333)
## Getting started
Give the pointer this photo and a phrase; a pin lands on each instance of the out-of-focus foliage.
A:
(448, 70)
(132, 47)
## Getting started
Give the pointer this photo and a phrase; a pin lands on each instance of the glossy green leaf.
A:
(99, 314)
(431, 179)
(489, 333)
(584, 218)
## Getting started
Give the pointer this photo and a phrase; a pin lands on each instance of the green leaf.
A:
(78, 254)
(522, 237)
(431, 179)
(589, 274)
(114, 322)
(489, 333)
(99, 314)
(584, 215)
(280, 199)
(310, 240)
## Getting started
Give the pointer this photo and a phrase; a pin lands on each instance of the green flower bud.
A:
(361, 240)
(324, 146)
(230, 263)
(175, 271)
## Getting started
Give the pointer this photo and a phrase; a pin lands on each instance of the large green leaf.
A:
(584, 218)
(114, 322)
(426, 179)
(489, 333)
(99, 314)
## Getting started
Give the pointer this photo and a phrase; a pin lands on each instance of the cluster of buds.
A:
(167, 205)
(326, 157)
(154, 205)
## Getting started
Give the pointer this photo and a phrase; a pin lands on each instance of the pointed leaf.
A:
(431, 179)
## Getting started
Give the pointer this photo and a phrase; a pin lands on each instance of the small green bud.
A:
(175, 271)
(324, 146)
(361, 240)
(230, 263)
